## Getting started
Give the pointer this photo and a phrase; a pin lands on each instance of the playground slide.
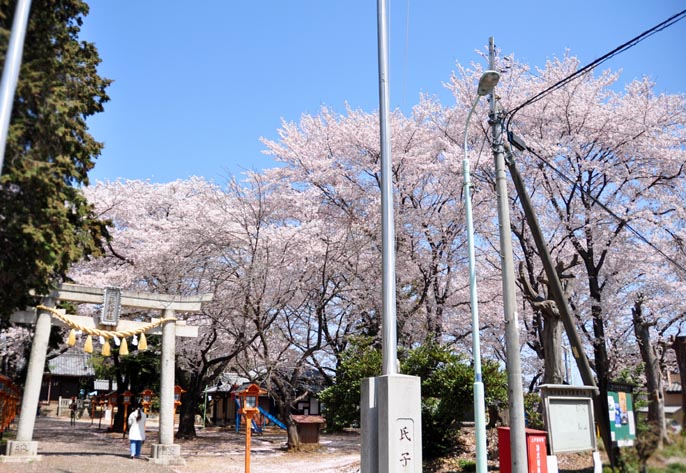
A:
(255, 426)
(272, 418)
(238, 416)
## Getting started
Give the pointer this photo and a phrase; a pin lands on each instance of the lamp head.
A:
(488, 80)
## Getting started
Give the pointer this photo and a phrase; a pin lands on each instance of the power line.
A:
(619, 49)
(619, 219)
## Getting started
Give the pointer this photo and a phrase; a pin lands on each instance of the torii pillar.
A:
(166, 452)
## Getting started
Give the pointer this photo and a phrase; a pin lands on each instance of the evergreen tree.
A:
(45, 222)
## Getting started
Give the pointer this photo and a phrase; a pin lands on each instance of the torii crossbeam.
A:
(24, 448)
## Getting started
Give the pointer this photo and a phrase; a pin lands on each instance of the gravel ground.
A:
(84, 449)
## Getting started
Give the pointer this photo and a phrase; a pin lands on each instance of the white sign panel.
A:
(570, 424)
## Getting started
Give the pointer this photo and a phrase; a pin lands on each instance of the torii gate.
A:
(166, 452)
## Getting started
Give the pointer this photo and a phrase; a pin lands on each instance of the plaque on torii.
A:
(112, 300)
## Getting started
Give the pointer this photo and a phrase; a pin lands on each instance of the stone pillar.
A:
(391, 421)
(166, 453)
(23, 446)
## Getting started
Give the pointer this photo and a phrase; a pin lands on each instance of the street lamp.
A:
(487, 82)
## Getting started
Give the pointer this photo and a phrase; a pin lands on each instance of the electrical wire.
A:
(619, 219)
(619, 49)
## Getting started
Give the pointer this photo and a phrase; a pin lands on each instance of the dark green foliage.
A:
(447, 392)
(140, 369)
(447, 389)
(533, 411)
(45, 222)
(342, 400)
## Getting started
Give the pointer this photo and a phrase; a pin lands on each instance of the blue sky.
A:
(198, 83)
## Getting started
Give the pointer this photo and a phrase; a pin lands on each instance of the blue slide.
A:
(255, 428)
(272, 418)
(238, 416)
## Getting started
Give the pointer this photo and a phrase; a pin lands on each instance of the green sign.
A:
(622, 422)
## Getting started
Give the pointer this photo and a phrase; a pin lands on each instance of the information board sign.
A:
(622, 423)
(569, 418)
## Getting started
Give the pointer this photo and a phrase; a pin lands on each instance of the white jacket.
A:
(137, 427)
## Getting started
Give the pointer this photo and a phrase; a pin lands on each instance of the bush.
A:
(447, 389)
(342, 400)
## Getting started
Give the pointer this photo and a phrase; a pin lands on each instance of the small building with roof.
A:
(66, 375)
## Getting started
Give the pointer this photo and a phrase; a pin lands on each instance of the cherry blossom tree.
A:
(293, 253)
(161, 235)
(621, 151)
(337, 157)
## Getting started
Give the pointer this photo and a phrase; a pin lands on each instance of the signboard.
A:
(569, 418)
(111, 307)
(537, 453)
(622, 423)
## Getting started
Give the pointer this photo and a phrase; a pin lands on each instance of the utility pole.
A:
(514, 369)
(557, 292)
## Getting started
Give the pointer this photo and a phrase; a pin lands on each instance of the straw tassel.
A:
(142, 343)
(71, 340)
(106, 348)
(88, 347)
(123, 347)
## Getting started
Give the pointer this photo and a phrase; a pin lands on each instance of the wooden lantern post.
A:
(147, 395)
(94, 406)
(178, 391)
(113, 402)
(102, 404)
(127, 402)
(249, 403)
(4, 402)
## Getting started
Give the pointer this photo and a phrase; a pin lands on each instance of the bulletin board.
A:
(569, 418)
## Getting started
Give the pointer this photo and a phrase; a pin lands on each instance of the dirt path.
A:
(86, 449)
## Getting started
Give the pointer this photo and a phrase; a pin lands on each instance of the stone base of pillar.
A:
(167, 454)
(20, 451)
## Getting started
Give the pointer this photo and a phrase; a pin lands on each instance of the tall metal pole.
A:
(10, 73)
(514, 370)
(479, 403)
(390, 404)
(390, 342)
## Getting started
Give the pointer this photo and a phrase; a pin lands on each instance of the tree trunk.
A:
(602, 364)
(679, 347)
(189, 401)
(550, 334)
(292, 428)
(553, 371)
(656, 406)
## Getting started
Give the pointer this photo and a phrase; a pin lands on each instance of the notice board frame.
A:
(569, 418)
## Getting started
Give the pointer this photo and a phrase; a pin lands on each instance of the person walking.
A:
(136, 424)
(72, 411)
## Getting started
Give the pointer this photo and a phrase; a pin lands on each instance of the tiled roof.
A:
(71, 363)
